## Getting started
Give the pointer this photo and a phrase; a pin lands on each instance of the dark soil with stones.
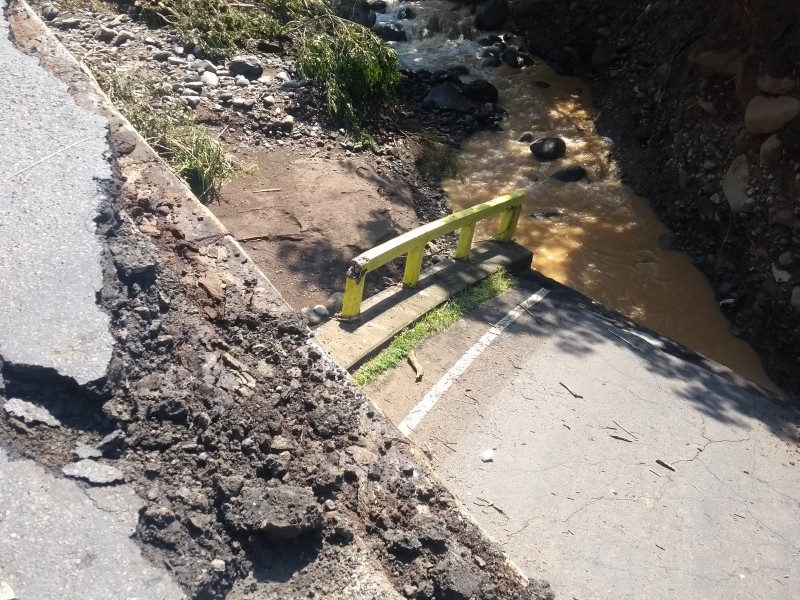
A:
(672, 80)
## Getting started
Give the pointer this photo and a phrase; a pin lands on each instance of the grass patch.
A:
(435, 321)
(188, 147)
(435, 158)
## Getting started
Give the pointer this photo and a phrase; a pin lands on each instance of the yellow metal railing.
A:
(413, 243)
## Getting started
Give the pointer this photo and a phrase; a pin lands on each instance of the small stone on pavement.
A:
(93, 472)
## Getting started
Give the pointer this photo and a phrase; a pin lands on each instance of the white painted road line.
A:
(425, 405)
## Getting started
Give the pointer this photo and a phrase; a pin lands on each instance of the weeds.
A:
(434, 322)
(186, 146)
(436, 158)
(356, 72)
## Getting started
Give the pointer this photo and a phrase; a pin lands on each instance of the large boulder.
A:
(481, 90)
(249, 66)
(549, 148)
(491, 14)
(448, 97)
(768, 114)
(390, 32)
(570, 174)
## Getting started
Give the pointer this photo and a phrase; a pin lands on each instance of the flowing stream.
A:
(596, 235)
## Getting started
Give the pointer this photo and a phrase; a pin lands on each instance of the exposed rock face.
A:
(491, 15)
(766, 114)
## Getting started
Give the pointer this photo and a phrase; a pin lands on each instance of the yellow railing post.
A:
(353, 293)
(413, 266)
(465, 241)
(508, 224)
(412, 245)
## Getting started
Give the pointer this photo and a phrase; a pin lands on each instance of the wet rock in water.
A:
(734, 187)
(279, 513)
(767, 114)
(549, 148)
(491, 61)
(448, 97)
(491, 14)
(515, 59)
(30, 413)
(247, 65)
(544, 215)
(390, 32)
(93, 472)
(525, 137)
(570, 174)
(481, 90)
(406, 13)
(379, 6)
(489, 40)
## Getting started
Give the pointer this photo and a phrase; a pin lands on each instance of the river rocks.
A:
(767, 114)
(121, 38)
(776, 86)
(406, 13)
(771, 149)
(105, 34)
(549, 148)
(525, 137)
(716, 64)
(735, 184)
(795, 300)
(480, 90)
(390, 32)
(209, 79)
(515, 59)
(49, 12)
(571, 174)
(249, 66)
(448, 97)
(491, 14)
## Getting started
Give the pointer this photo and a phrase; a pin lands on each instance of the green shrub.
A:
(356, 72)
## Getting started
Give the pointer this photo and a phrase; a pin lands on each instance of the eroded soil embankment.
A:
(265, 471)
(673, 82)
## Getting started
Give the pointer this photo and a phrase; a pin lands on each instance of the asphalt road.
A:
(578, 411)
(55, 162)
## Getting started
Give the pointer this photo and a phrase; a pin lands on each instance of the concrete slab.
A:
(61, 541)
(54, 161)
(578, 409)
(387, 313)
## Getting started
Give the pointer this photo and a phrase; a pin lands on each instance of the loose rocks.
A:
(549, 148)
(481, 90)
(735, 184)
(390, 32)
(765, 114)
(491, 15)
(30, 413)
(249, 66)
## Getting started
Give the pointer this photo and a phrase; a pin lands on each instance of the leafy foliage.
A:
(356, 72)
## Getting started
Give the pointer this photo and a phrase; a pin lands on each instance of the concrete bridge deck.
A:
(622, 468)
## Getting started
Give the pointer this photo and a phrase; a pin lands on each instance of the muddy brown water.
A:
(595, 236)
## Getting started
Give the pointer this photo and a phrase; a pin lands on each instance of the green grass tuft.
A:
(434, 322)
(188, 147)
